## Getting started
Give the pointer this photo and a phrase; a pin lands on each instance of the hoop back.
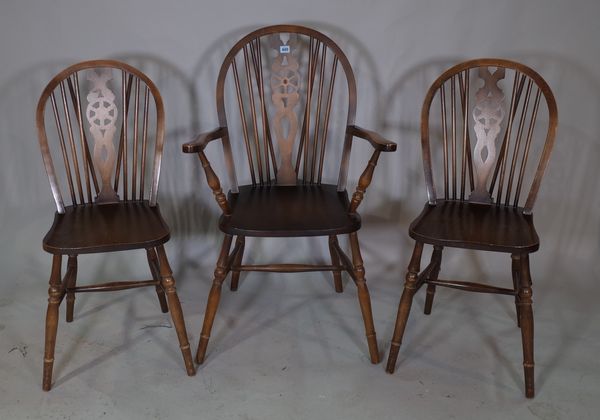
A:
(491, 137)
(103, 133)
(283, 78)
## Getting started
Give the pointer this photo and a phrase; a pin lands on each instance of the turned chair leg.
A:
(72, 281)
(410, 287)
(55, 294)
(335, 261)
(213, 298)
(436, 259)
(237, 261)
(516, 268)
(526, 311)
(168, 285)
(363, 298)
(155, 270)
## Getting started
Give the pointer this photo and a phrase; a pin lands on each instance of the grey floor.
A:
(289, 347)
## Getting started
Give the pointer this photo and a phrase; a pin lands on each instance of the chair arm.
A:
(201, 140)
(197, 146)
(377, 141)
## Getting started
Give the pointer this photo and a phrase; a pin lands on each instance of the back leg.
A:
(516, 267)
(155, 270)
(335, 261)
(71, 282)
(436, 260)
(235, 274)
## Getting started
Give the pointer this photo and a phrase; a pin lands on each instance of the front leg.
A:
(168, 284)
(55, 295)
(364, 298)
(410, 287)
(213, 298)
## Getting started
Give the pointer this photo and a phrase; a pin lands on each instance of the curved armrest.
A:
(377, 141)
(202, 139)
(197, 146)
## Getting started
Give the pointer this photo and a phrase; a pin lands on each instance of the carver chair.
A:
(111, 184)
(282, 82)
(492, 147)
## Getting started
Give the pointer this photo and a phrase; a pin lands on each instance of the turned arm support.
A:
(380, 144)
(197, 146)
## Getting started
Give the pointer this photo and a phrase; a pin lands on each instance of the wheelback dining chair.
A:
(112, 184)
(493, 146)
(282, 80)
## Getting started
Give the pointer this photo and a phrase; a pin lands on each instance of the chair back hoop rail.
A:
(280, 84)
(271, 73)
(85, 99)
(487, 141)
(496, 158)
(107, 137)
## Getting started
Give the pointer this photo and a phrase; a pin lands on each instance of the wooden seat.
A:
(483, 127)
(110, 227)
(475, 226)
(300, 210)
(103, 123)
(284, 79)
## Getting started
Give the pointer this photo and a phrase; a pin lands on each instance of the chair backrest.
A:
(283, 78)
(107, 129)
(495, 138)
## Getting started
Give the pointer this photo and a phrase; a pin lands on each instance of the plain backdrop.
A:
(396, 47)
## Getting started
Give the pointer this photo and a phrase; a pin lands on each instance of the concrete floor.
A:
(289, 347)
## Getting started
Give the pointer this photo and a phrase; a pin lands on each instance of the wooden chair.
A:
(112, 183)
(283, 86)
(493, 146)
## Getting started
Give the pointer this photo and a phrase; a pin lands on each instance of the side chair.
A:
(102, 122)
(490, 150)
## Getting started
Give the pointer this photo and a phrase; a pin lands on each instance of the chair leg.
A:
(525, 302)
(235, 274)
(436, 259)
(364, 298)
(72, 281)
(516, 267)
(155, 270)
(213, 298)
(335, 260)
(410, 287)
(55, 294)
(168, 285)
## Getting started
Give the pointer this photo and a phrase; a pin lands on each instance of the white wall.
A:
(397, 47)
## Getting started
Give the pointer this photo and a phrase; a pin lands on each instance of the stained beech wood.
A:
(283, 85)
(490, 211)
(102, 120)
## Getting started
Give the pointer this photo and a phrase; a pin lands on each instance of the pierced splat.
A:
(488, 114)
(285, 84)
(101, 114)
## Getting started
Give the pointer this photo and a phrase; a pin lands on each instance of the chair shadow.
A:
(184, 198)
